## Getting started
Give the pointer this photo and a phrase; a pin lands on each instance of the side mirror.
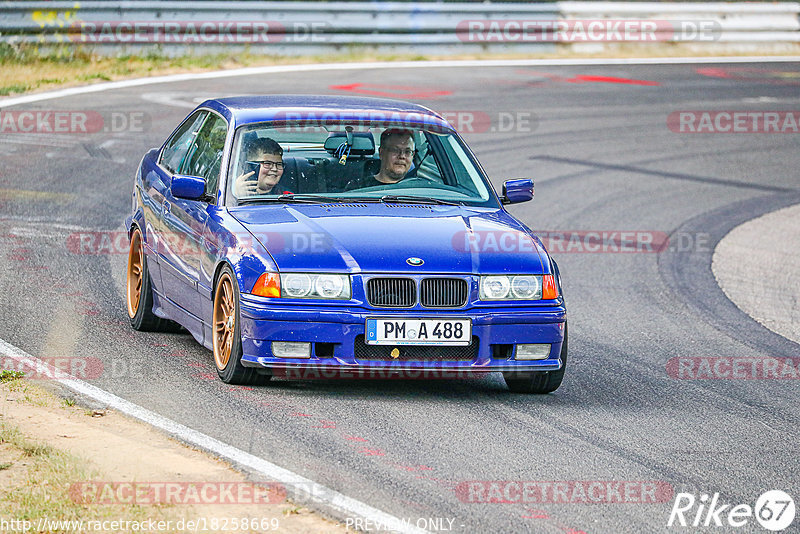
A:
(188, 187)
(515, 191)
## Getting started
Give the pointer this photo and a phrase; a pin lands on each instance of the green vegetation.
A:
(7, 375)
(44, 490)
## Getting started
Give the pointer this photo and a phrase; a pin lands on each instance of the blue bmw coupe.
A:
(321, 236)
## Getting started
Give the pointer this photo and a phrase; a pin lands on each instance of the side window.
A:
(178, 145)
(205, 154)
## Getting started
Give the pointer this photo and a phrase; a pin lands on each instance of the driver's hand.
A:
(242, 187)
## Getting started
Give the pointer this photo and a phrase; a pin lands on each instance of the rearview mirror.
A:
(515, 191)
(188, 187)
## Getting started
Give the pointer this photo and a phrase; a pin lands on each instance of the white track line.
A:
(294, 483)
(13, 101)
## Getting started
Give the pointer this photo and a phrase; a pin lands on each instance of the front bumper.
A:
(335, 331)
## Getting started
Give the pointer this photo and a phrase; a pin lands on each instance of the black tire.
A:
(140, 311)
(230, 369)
(539, 382)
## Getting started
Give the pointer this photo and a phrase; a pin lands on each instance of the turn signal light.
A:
(268, 285)
(549, 290)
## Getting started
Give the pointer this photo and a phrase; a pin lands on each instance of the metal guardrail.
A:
(295, 28)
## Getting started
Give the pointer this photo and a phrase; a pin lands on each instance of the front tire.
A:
(227, 338)
(539, 382)
(140, 292)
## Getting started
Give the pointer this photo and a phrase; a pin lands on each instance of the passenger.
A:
(269, 155)
(396, 153)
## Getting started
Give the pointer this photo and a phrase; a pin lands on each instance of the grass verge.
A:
(28, 68)
(38, 481)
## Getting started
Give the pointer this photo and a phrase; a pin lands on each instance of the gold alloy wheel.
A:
(135, 267)
(224, 320)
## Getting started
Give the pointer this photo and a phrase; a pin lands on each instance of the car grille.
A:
(402, 292)
(391, 292)
(415, 352)
(443, 292)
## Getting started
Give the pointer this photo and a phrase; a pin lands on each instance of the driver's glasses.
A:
(270, 164)
(405, 152)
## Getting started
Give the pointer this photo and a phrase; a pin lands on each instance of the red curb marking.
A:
(355, 438)
(584, 78)
(747, 74)
(325, 424)
(396, 91)
(371, 452)
(715, 72)
(300, 414)
(204, 376)
(196, 365)
(413, 467)
(609, 79)
(536, 514)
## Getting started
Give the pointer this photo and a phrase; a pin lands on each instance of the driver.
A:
(269, 155)
(396, 153)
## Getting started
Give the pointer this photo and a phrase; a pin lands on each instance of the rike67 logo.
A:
(774, 510)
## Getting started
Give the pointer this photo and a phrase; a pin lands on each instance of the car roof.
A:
(253, 109)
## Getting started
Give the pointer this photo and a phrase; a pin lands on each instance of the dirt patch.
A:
(114, 453)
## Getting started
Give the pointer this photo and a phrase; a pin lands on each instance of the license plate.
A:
(442, 331)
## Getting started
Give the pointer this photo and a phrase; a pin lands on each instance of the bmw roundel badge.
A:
(415, 262)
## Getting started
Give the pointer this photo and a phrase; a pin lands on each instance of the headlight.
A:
(315, 286)
(495, 287)
(517, 287)
(526, 287)
(296, 285)
(330, 286)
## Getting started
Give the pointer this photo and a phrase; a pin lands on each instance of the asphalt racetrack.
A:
(627, 431)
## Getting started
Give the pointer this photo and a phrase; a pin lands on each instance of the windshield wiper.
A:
(320, 199)
(418, 200)
(290, 197)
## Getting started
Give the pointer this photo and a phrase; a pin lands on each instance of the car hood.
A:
(382, 238)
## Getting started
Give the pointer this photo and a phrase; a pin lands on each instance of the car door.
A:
(185, 219)
(158, 180)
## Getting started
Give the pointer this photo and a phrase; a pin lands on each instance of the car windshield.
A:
(345, 162)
